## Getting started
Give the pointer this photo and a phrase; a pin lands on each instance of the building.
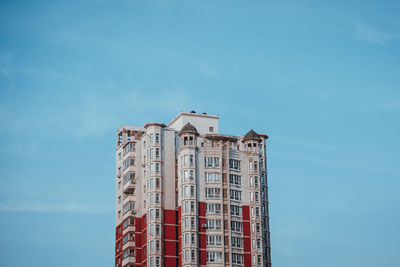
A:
(189, 196)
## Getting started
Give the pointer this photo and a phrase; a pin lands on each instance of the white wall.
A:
(202, 122)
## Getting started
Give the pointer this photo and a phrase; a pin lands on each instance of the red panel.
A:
(247, 244)
(170, 232)
(203, 240)
(203, 257)
(118, 232)
(169, 216)
(247, 260)
(202, 219)
(202, 209)
(246, 213)
(170, 248)
(170, 262)
(246, 228)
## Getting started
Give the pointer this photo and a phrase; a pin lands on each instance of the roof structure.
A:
(251, 135)
(188, 128)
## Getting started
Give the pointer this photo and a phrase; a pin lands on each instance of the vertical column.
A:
(187, 200)
(154, 197)
(256, 215)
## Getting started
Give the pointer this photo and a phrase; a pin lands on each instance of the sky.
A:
(320, 77)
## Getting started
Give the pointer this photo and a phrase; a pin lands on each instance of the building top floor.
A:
(203, 124)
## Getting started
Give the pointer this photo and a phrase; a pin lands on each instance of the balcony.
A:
(129, 214)
(129, 187)
(130, 154)
(130, 228)
(129, 259)
(130, 243)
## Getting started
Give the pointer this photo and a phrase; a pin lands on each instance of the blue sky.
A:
(321, 78)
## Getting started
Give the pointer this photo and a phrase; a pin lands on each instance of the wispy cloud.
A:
(374, 35)
(208, 70)
(45, 207)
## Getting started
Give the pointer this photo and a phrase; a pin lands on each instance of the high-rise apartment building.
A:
(189, 196)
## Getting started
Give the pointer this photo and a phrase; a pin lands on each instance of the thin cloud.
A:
(45, 207)
(374, 35)
(209, 71)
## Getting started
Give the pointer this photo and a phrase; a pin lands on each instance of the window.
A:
(213, 192)
(150, 230)
(129, 162)
(235, 179)
(129, 221)
(127, 253)
(214, 256)
(120, 138)
(214, 240)
(151, 137)
(193, 252)
(188, 206)
(128, 206)
(187, 255)
(157, 138)
(210, 129)
(235, 195)
(191, 160)
(193, 240)
(237, 258)
(236, 210)
(212, 177)
(127, 177)
(191, 142)
(157, 213)
(150, 183)
(258, 227)
(237, 242)
(150, 168)
(192, 190)
(157, 167)
(234, 164)
(213, 224)
(211, 161)
(131, 237)
(213, 208)
(187, 238)
(236, 226)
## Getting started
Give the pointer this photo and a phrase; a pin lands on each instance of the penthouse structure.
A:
(189, 196)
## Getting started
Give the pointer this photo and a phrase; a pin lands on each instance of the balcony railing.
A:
(129, 187)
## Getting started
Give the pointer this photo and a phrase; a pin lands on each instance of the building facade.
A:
(189, 196)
